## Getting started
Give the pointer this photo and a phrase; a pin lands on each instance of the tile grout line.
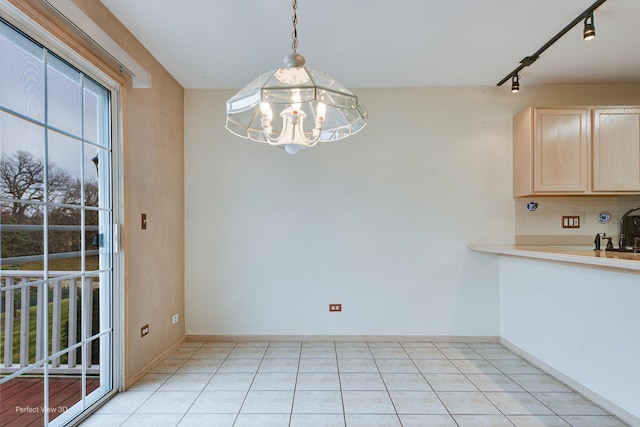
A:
(526, 391)
(429, 384)
(244, 400)
(153, 392)
(385, 384)
(480, 391)
(344, 411)
(205, 386)
(295, 383)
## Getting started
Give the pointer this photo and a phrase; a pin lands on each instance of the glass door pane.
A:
(56, 329)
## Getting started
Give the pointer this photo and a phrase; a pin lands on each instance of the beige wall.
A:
(544, 225)
(153, 184)
(378, 222)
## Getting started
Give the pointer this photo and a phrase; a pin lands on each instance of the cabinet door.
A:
(616, 149)
(561, 141)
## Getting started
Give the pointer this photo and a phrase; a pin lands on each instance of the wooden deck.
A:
(22, 399)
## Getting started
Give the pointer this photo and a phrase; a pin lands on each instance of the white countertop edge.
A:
(558, 255)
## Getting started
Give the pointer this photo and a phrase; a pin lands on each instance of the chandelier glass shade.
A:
(295, 107)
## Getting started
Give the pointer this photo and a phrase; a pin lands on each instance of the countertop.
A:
(567, 254)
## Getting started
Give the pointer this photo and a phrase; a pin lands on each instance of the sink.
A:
(590, 248)
(621, 250)
(573, 247)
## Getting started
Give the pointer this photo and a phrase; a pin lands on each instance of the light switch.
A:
(143, 221)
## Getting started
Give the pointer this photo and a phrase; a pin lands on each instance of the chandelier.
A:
(295, 107)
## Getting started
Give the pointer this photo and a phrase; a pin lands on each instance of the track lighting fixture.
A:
(588, 33)
(515, 84)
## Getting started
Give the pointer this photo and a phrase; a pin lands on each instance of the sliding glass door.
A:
(56, 229)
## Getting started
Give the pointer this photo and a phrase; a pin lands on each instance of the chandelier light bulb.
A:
(265, 109)
(296, 101)
(292, 148)
(321, 112)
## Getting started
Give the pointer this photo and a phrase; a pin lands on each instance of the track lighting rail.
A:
(528, 60)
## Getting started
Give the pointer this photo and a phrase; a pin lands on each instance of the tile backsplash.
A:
(544, 225)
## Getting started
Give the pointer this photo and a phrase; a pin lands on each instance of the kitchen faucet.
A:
(597, 240)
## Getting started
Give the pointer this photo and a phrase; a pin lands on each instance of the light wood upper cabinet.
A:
(579, 151)
(616, 149)
(560, 150)
(551, 151)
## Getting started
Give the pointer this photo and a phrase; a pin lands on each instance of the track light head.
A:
(515, 83)
(589, 32)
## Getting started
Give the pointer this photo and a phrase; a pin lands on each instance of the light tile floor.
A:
(352, 384)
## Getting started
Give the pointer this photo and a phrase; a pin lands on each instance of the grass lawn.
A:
(64, 316)
(65, 264)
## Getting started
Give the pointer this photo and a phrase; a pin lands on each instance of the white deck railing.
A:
(23, 282)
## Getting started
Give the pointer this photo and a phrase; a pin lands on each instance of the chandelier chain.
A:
(294, 20)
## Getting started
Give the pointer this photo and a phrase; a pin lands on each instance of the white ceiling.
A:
(387, 43)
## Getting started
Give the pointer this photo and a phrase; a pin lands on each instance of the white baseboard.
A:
(342, 338)
(606, 404)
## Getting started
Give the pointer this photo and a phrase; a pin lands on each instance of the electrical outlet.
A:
(174, 319)
(335, 307)
(570, 222)
(144, 330)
